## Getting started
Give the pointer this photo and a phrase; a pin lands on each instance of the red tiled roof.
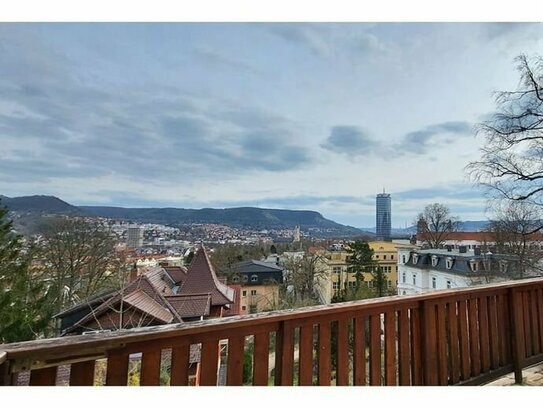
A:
(142, 283)
(190, 306)
(235, 309)
(140, 300)
(477, 236)
(177, 274)
(201, 278)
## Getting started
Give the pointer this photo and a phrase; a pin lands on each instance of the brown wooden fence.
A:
(449, 337)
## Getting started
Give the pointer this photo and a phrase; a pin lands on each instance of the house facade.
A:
(259, 284)
(438, 269)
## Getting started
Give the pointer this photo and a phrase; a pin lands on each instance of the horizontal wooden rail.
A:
(458, 336)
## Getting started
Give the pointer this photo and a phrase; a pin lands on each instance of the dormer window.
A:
(254, 278)
(503, 266)
(474, 265)
(415, 258)
(434, 261)
(245, 279)
(449, 263)
(235, 279)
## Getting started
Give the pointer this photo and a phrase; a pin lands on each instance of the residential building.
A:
(437, 269)
(383, 216)
(259, 281)
(333, 274)
(134, 236)
(158, 295)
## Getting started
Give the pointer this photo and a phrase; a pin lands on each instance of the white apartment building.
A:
(438, 269)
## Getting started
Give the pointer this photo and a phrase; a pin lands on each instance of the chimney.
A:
(133, 272)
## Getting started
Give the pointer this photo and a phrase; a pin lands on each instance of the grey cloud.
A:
(217, 60)
(454, 191)
(350, 140)
(332, 40)
(420, 141)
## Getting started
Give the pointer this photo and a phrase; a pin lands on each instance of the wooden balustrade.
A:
(449, 337)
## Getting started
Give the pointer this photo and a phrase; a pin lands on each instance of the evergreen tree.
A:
(360, 260)
(24, 303)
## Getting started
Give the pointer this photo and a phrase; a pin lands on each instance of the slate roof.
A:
(201, 278)
(460, 261)
(263, 271)
(190, 306)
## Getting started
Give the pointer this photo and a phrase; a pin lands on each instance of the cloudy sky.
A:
(282, 115)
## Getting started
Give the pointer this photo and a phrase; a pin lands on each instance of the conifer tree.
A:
(24, 310)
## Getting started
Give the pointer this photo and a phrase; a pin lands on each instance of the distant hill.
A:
(39, 204)
(246, 217)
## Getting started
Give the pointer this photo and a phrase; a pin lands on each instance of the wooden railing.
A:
(462, 336)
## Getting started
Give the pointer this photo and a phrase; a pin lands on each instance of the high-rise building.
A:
(383, 216)
(134, 237)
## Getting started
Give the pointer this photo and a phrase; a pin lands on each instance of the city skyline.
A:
(278, 115)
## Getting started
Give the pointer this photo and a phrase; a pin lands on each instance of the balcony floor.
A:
(533, 376)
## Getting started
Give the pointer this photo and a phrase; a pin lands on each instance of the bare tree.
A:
(435, 225)
(79, 259)
(516, 231)
(302, 275)
(511, 164)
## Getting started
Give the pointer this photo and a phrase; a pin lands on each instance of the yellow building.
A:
(259, 283)
(333, 274)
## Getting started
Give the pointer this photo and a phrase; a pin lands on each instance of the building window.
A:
(253, 293)
(389, 283)
(335, 286)
(243, 307)
(434, 282)
(404, 278)
(351, 284)
(235, 279)
(403, 258)
(336, 269)
(254, 278)
(404, 293)
(473, 265)
(449, 263)
(434, 261)
(415, 258)
(384, 256)
(245, 279)
(391, 257)
(376, 256)
(448, 283)
(414, 279)
(244, 293)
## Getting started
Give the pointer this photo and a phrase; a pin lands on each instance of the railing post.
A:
(518, 343)
(428, 333)
(4, 370)
(284, 354)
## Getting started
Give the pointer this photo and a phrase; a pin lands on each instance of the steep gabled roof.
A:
(143, 284)
(191, 306)
(201, 278)
(176, 273)
(140, 300)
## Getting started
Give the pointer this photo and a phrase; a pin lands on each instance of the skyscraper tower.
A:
(383, 216)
